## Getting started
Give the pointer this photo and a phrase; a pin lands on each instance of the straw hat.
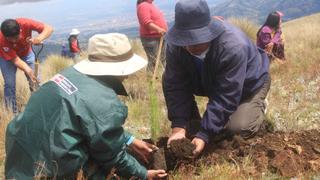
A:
(110, 54)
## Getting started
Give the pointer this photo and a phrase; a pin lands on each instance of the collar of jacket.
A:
(113, 83)
(219, 27)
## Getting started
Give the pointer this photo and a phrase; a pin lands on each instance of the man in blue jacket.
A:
(210, 57)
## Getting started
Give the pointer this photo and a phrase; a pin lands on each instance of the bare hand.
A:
(177, 133)
(156, 174)
(200, 144)
(143, 149)
(161, 31)
(35, 41)
(31, 75)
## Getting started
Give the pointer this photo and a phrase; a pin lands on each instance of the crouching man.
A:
(212, 58)
(75, 120)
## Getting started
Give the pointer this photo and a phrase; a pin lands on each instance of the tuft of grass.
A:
(53, 65)
(154, 113)
(294, 97)
(5, 118)
(247, 26)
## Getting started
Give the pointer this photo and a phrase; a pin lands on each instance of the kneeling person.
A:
(75, 120)
(212, 58)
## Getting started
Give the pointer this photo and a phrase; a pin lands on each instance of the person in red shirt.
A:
(152, 26)
(74, 44)
(15, 52)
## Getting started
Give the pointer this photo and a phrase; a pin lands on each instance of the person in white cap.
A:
(74, 121)
(74, 45)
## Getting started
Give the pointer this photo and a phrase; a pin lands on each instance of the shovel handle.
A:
(37, 53)
(36, 65)
(157, 60)
(36, 68)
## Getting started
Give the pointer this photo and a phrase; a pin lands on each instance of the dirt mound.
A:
(169, 158)
(288, 154)
(182, 149)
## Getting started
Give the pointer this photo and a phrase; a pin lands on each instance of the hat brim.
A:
(194, 36)
(123, 68)
(75, 33)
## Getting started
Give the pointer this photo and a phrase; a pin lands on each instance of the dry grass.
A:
(247, 26)
(53, 65)
(294, 101)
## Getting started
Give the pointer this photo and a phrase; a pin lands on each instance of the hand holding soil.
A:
(199, 144)
(182, 149)
(177, 133)
(143, 149)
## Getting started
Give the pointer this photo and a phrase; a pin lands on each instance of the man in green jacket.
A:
(74, 121)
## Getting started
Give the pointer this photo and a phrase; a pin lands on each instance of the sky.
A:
(87, 16)
(61, 13)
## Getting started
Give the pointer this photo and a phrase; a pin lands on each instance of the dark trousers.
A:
(248, 117)
(245, 121)
(151, 46)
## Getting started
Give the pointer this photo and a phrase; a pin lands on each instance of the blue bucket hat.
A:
(193, 24)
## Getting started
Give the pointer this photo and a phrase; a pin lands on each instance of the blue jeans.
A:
(8, 70)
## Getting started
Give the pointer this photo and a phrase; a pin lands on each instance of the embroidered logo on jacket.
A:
(6, 49)
(64, 84)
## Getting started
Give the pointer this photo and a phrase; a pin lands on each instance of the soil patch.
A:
(169, 158)
(182, 149)
(287, 154)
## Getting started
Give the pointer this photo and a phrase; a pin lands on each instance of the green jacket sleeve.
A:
(108, 145)
(127, 136)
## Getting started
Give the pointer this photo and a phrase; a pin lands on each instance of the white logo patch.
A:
(6, 49)
(64, 84)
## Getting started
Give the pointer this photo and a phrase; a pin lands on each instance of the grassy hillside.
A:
(294, 98)
(259, 9)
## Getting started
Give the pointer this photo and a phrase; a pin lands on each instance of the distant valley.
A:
(254, 10)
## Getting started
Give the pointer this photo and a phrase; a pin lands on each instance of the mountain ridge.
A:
(258, 10)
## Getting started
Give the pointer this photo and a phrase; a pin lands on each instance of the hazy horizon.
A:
(64, 15)
(87, 16)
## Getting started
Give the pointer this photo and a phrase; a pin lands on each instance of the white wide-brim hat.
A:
(110, 54)
(74, 32)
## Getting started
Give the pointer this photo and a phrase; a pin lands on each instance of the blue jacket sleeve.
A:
(227, 92)
(177, 89)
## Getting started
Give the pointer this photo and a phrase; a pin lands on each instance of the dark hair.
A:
(140, 1)
(10, 28)
(273, 21)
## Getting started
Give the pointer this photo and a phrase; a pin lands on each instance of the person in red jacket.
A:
(74, 44)
(15, 52)
(152, 26)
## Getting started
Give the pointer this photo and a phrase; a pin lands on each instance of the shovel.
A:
(154, 77)
(36, 85)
